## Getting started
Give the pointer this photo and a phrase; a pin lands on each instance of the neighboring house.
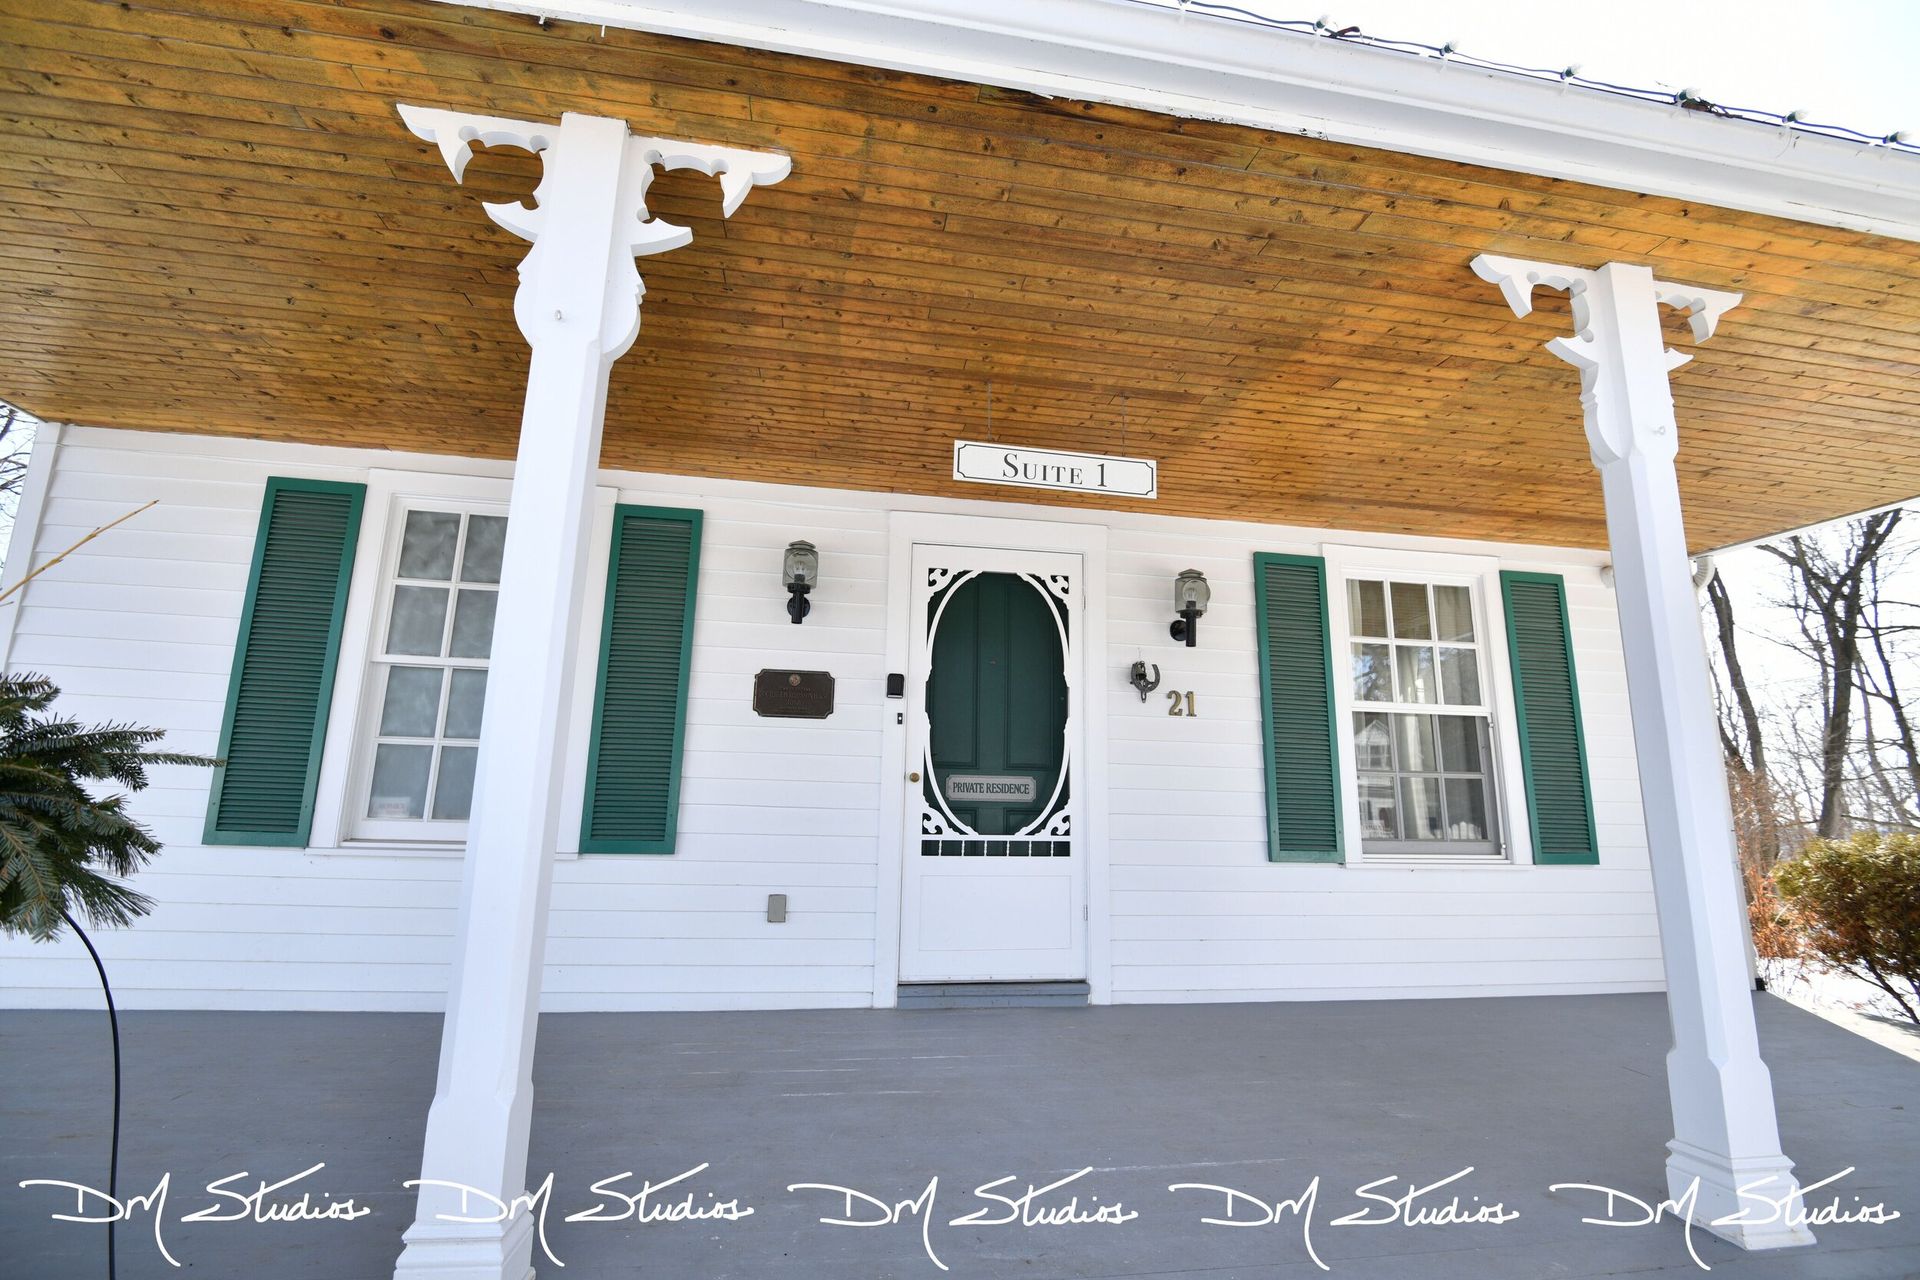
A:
(1391, 754)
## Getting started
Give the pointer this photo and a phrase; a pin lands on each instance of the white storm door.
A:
(994, 884)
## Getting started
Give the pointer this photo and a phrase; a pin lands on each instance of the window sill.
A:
(1443, 864)
(408, 849)
(392, 849)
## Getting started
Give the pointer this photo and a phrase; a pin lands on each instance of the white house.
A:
(1088, 518)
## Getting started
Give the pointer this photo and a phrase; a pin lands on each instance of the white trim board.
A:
(24, 549)
(1156, 59)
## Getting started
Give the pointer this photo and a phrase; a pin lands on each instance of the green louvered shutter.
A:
(1547, 697)
(283, 663)
(640, 708)
(1296, 685)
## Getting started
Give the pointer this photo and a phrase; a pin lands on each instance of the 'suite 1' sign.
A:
(1055, 469)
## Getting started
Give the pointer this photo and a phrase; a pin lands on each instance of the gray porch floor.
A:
(1257, 1097)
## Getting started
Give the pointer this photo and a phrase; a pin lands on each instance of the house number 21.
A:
(1174, 707)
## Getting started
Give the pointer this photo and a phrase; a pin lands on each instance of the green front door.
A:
(997, 703)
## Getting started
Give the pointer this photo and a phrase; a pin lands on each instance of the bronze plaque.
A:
(794, 695)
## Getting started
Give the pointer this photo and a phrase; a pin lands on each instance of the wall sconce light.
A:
(800, 570)
(1190, 596)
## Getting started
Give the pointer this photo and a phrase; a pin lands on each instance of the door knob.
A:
(913, 777)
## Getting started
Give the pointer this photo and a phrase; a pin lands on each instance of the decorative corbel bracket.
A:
(589, 214)
(1616, 345)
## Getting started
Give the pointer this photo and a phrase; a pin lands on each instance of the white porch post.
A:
(578, 305)
(1725, 1132)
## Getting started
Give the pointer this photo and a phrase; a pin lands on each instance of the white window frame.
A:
(1507, 807)
(347, 759)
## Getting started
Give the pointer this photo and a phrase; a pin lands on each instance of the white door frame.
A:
(1089, 542)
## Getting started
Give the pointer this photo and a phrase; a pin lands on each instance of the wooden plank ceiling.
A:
(212, 220)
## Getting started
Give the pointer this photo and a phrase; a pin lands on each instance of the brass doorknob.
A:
(913, 777)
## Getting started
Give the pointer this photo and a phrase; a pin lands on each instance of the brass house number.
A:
(1175, 700)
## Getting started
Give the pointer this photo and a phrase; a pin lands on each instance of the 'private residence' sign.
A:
(973, 788)
(1055, 469)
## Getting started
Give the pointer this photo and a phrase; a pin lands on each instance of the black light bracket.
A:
(1187, 626)
(798, 606)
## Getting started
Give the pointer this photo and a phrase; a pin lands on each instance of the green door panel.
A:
(997, 697)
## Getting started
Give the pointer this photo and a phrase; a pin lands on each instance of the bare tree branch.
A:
(1828, 592)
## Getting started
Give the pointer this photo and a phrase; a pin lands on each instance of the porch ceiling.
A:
(213, 220)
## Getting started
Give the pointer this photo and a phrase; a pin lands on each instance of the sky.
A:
(1847, 62)
(20, 441)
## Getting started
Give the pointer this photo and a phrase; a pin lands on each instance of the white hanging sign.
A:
(1055, 469)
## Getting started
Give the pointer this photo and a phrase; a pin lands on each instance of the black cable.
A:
(113, 1020)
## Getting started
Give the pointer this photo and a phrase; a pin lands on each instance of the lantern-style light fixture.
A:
(1190, 596)
(800, 570)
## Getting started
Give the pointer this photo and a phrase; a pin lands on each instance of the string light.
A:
(1686, 99)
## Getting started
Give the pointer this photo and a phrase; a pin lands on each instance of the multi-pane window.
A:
(429, 678)
(1421, 735)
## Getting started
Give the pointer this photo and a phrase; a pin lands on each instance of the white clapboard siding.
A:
(139, 625)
